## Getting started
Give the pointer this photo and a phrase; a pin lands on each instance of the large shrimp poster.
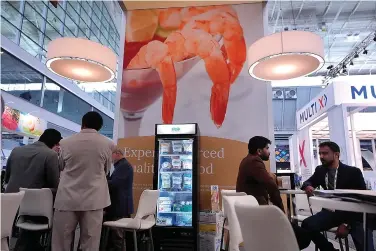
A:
(188, 65)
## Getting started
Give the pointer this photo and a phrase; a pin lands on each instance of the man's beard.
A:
(326, 163)
(264, 157)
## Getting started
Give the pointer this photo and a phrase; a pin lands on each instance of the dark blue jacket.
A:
(348, 177)
(120, 184)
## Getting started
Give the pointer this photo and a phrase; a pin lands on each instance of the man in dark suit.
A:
(120, 184)
(33, 166)
(255, 180)
(333, 174)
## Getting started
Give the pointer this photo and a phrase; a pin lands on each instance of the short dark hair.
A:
(50, 137)
(257, 142)
(92, 120)
(332, 146)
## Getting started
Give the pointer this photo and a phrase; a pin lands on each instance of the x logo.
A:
(321, 101)
(301, 151)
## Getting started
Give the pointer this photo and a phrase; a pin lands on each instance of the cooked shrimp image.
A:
(212, 33)
(198, 42)
(155, 55)
(223, 21)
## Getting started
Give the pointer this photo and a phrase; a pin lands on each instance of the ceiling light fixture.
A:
(285, 55)
(81, 60)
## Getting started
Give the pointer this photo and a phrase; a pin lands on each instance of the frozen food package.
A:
(187, 181)
(178, 207)
(187, 164)
(166, 181)
(164, 221)
(164, 204)
(177, 180)
(165, 147)
(176, 163)
(187, 146)
(214, 190)
(166, 165)
(177, 147)
(183, 219)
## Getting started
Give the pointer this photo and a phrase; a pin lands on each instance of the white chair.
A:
(10, 203)
(143, 221)
(225, 221)
(230, 193)
(258, 224)
(37, 202)
(233, 223)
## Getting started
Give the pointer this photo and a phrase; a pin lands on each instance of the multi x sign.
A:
(363, 92)
(313, 109)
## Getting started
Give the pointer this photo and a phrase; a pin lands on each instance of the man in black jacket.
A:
(333, 174)
(120, 184)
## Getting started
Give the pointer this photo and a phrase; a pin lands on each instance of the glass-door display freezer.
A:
(176, 177)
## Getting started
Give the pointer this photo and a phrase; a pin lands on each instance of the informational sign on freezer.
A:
(166, 80)
(176, 129)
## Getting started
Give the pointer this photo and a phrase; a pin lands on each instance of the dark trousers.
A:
(30, 240)
(302, 236)
(326, 220)
(116, 237)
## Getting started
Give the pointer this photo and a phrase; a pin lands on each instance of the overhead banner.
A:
(16, 121)
(352, 91)
(188, 65)
(316, 107)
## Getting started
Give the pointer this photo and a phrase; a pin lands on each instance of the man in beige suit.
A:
(83, 191)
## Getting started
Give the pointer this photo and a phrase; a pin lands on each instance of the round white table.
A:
(338, 204)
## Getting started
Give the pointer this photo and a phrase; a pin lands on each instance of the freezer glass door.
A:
(175, 182)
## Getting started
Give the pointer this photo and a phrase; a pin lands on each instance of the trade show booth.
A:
(344, 112)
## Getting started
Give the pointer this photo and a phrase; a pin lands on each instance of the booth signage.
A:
(313, 109)
(363, 92)
(355, 92)
(301, 151)
(305, 153)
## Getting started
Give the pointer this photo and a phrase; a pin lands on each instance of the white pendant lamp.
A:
(285, 55)
(81, 60)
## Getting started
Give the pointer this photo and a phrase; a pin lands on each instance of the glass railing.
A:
(104, 97)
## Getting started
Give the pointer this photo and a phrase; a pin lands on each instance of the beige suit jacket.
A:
(85, 160)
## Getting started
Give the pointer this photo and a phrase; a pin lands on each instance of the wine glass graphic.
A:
(141, 88)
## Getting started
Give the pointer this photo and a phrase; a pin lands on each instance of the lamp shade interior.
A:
(285, 66)
(285, 55)
(81, 60)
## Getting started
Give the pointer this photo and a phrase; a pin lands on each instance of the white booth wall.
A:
(333, 103)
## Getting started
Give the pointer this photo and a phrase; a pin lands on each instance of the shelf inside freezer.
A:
(175, 174)
(174, 209)
(176, 146)
(175, 182)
